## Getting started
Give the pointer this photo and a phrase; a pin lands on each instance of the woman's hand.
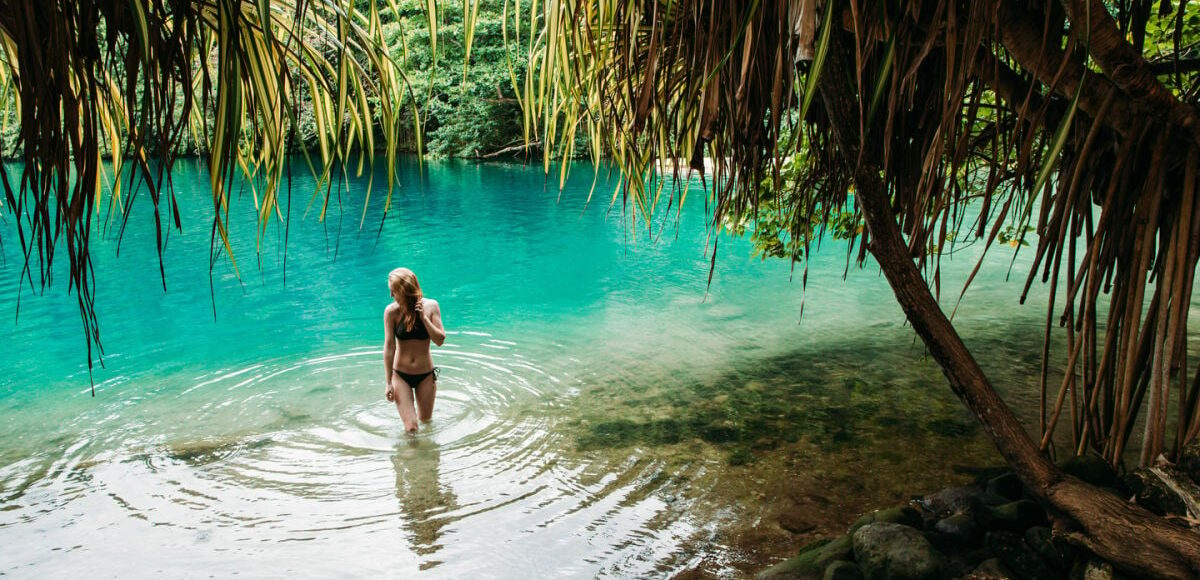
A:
(390, 394)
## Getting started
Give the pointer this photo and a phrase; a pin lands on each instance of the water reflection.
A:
(426, 502)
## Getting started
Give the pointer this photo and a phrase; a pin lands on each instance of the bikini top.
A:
(418, 332)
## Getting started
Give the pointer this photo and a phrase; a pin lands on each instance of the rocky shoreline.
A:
(992, 529)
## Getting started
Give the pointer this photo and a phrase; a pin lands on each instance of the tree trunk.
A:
(1124, 534)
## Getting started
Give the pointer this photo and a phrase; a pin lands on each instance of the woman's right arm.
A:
(389, 351)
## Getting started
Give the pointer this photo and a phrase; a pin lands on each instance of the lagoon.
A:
(603, 410)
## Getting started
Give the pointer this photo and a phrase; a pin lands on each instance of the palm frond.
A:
(990, 118)
(102, 82)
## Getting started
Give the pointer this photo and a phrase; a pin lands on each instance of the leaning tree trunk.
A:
(1122, 533)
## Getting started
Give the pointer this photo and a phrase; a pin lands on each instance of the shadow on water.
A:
(837, 397)
(801, 443)
(426, 502)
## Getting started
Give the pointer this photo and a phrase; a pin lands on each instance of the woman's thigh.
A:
(426, 392)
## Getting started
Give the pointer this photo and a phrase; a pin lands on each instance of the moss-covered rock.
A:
(842, 571)
(958, 529)
(812, 560)
(960, 500)
(893, 551)
(903, 515)
(1017, 556)
(1016, 516)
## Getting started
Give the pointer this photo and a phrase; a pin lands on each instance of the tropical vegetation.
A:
(1076, 118)
(905, 127)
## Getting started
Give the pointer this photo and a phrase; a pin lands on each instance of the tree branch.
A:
(1021, 34)
(1124, 65)
(1166, 67)
(1124, 534)
(514, 148)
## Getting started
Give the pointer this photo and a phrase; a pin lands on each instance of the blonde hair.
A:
(403, 280)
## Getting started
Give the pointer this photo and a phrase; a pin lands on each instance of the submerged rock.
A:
(796, 521)
(964, 533)
(893, 551)
(203, 452)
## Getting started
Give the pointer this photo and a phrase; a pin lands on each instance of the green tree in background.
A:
(1080, 118)
(139, 80)
(466, 109)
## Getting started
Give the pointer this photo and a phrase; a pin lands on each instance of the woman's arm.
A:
(389, 349)
(432, 315)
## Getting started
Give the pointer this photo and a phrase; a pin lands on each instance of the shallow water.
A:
(600, 409)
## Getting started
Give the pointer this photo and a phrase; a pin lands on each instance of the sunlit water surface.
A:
(602, 409)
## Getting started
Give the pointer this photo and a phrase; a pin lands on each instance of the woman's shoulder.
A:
(429, 302)
(391, 309)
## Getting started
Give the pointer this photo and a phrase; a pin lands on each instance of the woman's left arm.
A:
(432, 313)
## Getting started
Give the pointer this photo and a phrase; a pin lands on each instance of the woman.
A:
(410, 323)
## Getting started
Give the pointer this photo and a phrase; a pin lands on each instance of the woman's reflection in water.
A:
(426, 504)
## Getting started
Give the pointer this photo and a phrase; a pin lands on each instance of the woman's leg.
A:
(426, 392)
(404, 404)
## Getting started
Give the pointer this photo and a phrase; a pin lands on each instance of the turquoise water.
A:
(238, 424)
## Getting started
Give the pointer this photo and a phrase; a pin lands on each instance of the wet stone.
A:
(1056, 552)
(991, 569)
(957, 559)
(796, 521)
(894, 551)
(959, 500)
(1016, 516)
(903, 515)
(1017, 556)
(957, 528)
(812, 560)
(842, 571)
(1008, 486)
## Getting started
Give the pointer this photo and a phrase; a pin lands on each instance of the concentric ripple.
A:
(301, 466)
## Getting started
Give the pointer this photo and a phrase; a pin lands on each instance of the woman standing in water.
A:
(410, 322)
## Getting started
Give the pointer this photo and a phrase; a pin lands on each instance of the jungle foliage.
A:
(465, 107)
(1072, 126)
(1079, 119)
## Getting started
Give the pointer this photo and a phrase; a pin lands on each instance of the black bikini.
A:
(418, 332)
(414, 381)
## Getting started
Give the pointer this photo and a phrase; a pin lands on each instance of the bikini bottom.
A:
(415, 380)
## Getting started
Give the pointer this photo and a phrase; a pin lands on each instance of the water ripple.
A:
(307, 453)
